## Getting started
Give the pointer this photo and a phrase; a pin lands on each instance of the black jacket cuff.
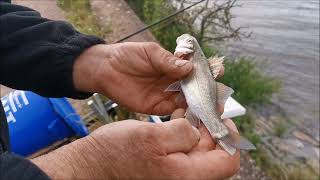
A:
(14, 167)
(69, 53)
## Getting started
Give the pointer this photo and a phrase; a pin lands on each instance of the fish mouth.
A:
(184, 48)
(183, 51)
(182, 55)
(185, 57)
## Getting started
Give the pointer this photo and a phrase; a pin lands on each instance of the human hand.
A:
(207, 144)
(140, 150)
(134, 75)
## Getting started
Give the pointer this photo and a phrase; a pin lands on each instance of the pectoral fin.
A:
(176, 86)
(193, 119)
(223, 93)
(215, 64)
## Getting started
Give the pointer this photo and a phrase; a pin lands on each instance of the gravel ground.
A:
(249, 170)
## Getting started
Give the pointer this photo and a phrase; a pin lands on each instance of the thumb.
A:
(178, 113)
(178, 136)
(166, 63)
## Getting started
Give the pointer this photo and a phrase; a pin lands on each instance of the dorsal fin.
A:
(223, 93)
(215, 64)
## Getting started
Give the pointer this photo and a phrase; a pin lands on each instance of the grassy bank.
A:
(81, 17)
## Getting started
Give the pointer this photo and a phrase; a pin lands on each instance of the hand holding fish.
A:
(136, 74)
(133, 75)
(211, 155)
(134, 149)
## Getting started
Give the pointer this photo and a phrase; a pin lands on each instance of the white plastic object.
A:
(232, 109)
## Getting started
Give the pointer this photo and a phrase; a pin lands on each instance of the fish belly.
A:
(202, 111)
(202, 104)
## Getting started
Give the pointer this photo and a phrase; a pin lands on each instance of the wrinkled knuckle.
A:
(164, 54)
(153, 45)
(170, 58)
(184, 125)
(148, 133)
(176, 170)
(149, 140)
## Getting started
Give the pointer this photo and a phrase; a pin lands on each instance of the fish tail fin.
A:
(226, 145)
(234, 141)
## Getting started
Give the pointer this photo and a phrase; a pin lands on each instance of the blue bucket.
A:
(36, 122)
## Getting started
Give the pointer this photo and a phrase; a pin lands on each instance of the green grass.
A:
(137, 6)
(81, 17)
(152, 10)
(302, 173)
(251, 86)
(280, 128)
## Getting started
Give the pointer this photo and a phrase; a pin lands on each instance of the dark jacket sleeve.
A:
(38, 54)
(13, 167)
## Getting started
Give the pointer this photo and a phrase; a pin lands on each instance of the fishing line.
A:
(158, 21)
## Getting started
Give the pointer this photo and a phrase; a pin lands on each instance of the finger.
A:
(167, 106)
(178, 113)
(166, 63)
(164, 107)
(206, 143)
(231, 125)
(216, 164)
(178, 136)
(182, 55)
(176, 68)
(180, 101)
(182, 104)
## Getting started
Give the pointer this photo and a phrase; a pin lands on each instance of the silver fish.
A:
(203, 93)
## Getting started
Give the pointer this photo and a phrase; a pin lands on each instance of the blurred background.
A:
(272, 63)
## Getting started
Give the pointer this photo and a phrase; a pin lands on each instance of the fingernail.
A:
(181, 62)
(197, 132)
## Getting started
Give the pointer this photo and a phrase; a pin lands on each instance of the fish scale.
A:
(202, 81)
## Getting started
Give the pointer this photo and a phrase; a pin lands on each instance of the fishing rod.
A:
(158, 21)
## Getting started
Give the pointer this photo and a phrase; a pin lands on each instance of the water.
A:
(286, 33)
